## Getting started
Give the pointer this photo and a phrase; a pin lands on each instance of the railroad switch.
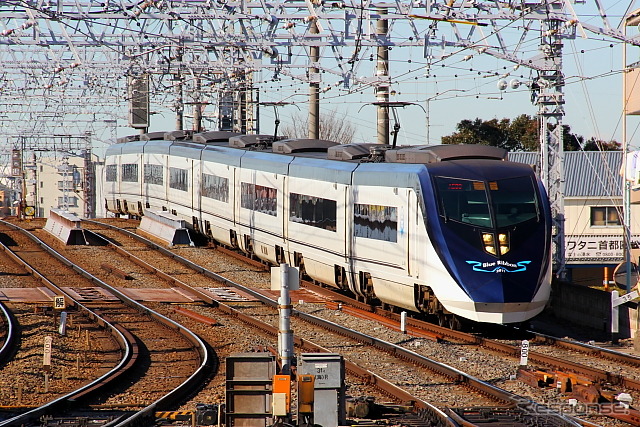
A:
(175, 415)
(204, 415)
(594, 395)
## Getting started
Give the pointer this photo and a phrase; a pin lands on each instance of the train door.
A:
(410, 227)
(286, 203)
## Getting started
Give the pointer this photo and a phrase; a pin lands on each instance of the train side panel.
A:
(379, 242)
(386, 222)
(110, 178)
(259, 204)
(183, 165)
(155, 174)
(217, 193)
(317, 218)
(130, 177)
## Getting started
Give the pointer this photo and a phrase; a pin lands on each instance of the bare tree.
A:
(334, 126)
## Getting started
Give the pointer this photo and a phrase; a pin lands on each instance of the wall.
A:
(591, 308)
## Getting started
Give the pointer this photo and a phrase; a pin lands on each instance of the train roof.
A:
(216, 144)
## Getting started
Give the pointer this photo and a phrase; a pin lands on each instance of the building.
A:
(593, 203)
(5, 201)
(61, 183)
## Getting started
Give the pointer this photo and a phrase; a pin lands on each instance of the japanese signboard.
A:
(59, 302)
(597, 248)
(16, 163)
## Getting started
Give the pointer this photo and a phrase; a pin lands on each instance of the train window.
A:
(130, 172)
(215, 187)
(514, 200)
(259, 198)
(179, 179)
(153, 174)
(463, 201)
(314, 211)
(375, 222)
(111, 172)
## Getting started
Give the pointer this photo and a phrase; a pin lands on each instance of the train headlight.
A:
(503, 240)
(489, 243)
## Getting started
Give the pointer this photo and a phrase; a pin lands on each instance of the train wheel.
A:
(454, 322)
(442, 320)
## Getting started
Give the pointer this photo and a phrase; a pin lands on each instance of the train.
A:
(458, 232)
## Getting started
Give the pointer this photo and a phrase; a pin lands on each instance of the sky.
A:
(465, 86)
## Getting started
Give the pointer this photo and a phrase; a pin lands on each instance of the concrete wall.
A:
(591, 308)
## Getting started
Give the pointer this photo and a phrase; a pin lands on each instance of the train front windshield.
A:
(491, 204)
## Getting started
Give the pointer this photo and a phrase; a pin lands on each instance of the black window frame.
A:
(313, 211)
(179, 179)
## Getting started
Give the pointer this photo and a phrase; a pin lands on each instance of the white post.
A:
(614, 312)
(62, 329)
(285, 334)
(403, 322)
(524, 353)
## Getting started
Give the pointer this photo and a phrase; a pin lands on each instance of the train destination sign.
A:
(584, 249)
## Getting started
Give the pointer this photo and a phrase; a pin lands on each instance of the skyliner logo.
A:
(499, 266)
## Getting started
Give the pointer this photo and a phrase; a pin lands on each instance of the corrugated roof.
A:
(587, 173)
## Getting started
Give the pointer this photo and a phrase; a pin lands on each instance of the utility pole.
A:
(197, 108)
(382, 72)
(88, 180)
(179, 104)
(548, 95)
(314, 87)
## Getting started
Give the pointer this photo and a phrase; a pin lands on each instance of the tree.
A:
(519, 134)
(599, 145)
(334, 126)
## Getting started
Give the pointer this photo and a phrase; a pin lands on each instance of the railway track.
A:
(482, 394)
(163, 361)
(10, 334)
(256, 278)
(563, 352)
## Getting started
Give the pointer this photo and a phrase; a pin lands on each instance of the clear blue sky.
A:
(592, 69)
(460, 88)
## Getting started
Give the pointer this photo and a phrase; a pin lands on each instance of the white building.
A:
(62, 183)
(593, 203)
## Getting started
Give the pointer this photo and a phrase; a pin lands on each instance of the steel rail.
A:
(512, 350)
(148, 413)
(126, 345)
(443, 369)
(12, 336)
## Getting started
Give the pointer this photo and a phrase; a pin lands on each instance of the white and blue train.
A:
(455, 231)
